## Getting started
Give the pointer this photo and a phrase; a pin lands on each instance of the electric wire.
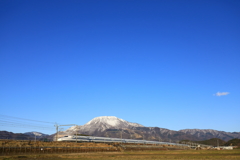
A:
(22, 123)
(10, 121)
(2, 116)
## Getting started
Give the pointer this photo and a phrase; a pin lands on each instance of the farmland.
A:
(150, 155)
(11, 150)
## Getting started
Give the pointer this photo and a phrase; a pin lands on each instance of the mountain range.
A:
(24, 136)
(110, 126)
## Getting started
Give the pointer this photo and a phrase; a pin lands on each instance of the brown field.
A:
(9, 152)
(143, 155)
(31, 143)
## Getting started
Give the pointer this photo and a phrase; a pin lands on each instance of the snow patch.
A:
(110, 120)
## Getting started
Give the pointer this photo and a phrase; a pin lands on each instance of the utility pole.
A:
(57, 126)
(121, 135)
(76, 134)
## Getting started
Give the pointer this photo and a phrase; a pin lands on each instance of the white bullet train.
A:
(113, 140)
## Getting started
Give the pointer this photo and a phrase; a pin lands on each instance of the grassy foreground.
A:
(144, 155)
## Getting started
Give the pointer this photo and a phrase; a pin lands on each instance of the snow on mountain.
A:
(37, 134)
(103, 123)
(113, 122)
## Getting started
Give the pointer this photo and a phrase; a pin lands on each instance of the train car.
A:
(65, 138)
(113, 140)
(81, 138)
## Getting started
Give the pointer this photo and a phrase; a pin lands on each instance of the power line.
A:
(9, 124)
(20, 122)
(16, 122)
(24, 119)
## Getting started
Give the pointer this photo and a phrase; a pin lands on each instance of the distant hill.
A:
(204, 134)
(233, 142)
(214, 142)
(37, 135)
(24, 136)
(15, 136)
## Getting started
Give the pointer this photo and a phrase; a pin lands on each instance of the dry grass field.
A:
(143, 155)
(26, 143)
(124, 155)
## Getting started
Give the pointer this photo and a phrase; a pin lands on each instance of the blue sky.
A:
(161, 63)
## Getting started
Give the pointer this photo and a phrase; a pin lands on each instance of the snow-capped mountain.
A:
(103, 123)
(111, 126)
(36, 134)
(111, 121)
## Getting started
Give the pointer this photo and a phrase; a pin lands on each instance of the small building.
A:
(227, 147)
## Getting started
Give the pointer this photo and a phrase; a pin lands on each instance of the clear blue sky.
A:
(168, 63)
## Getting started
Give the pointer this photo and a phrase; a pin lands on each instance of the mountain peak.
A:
(104, 122)
(112, 121)
(107, 120)
(34, 133)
